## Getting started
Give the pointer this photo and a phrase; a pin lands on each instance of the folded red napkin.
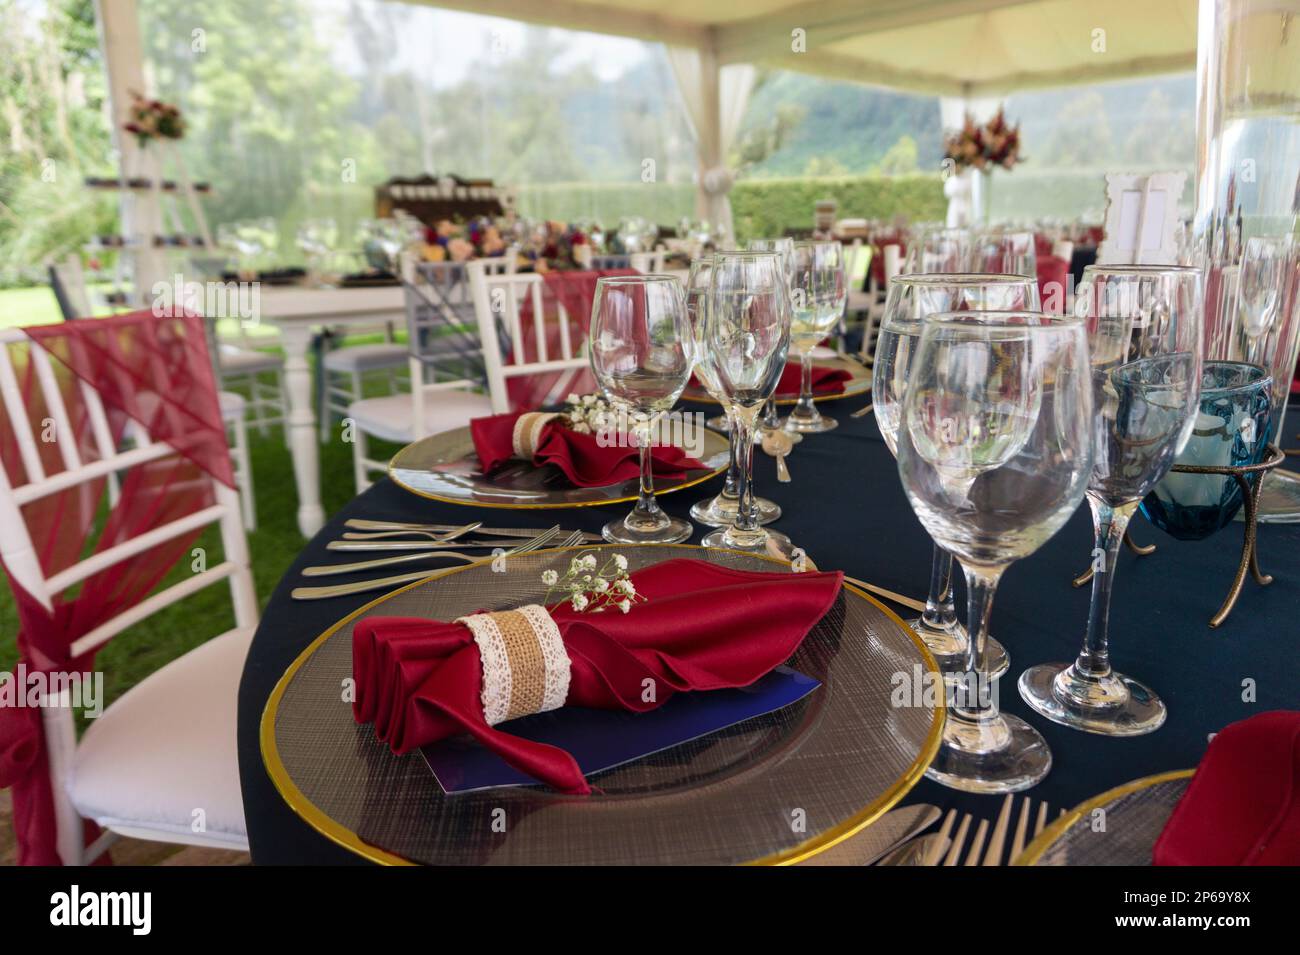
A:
(825, 381)
(1243, 805)
(702, 627)
(545, 439)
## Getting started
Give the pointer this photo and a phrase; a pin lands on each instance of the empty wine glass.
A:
(817, 296)
(641, 353)
(720, 510)
(1006, 253)
(910, 300)
(783, 246)
(994, 452)
(1144, 329)
(747, 336)
(941, 250)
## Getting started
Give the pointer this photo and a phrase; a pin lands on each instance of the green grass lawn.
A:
(139, 651)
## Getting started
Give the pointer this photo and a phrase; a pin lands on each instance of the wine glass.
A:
(941, 250)
(718, 511)
(641, 352)
(818, 293)
(1144, 329)
(994, 452)
(910, 300)
(747, 335)
(1006, 253)
(783, 246)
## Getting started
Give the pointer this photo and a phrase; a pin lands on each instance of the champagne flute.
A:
(784, 246)
(911, 299)
(818, 294)
(720, 510)
(994, 452)
(747, 335)
(641, 354)
(1144, 328)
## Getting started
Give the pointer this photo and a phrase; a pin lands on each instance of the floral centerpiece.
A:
(152, 119)
(996, 144)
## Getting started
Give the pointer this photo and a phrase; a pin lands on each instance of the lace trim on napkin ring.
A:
(528, 432)
(525, 665)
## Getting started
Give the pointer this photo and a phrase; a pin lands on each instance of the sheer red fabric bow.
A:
(151, 370)
(703, 627)
(579, 456)
(575, 291)
(1243, 805)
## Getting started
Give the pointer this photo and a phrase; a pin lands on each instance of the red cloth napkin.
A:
(825, 381)
(1053, 283)
(1243, 805)
(579, 456)
(703, 627)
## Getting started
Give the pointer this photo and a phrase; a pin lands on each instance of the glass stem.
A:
(647, 508)
(940, 611)
(771, 420)
(973, 695)
(730, 488)
(743, 427)
(1109, 524)
(805, 408)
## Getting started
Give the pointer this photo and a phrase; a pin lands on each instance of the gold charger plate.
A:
(859, 384)
(444, 467)
(1117, 827)
(776, 789)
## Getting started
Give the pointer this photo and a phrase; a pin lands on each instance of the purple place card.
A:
(603, 739)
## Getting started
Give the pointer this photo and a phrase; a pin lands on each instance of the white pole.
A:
(119, 39)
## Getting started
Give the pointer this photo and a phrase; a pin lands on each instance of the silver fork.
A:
(384, 583)
(437, 537)
(997, 843)
(365, 524)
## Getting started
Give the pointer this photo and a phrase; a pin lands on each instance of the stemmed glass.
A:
(747, 335)
(994, 452)
(911, 299)
(720, 510)
(818, 293)
(641, 353)
(1007, 253)
(941, 250)
(784, 246)
(1144, 329)
(1260, 288)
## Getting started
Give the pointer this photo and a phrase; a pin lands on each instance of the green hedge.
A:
(770, 206)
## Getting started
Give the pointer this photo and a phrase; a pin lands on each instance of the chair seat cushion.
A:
(390, 417)
(366, 357)
(167, 748)
(244, 361)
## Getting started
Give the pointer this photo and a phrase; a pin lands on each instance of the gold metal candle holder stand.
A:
(1249, 553)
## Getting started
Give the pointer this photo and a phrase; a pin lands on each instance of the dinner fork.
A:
(365, 524)
(384, 583)
(997, 843)
(437, 537)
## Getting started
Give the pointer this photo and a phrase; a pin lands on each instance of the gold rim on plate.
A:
(719, 450)
(343, 836)
(856, 387)
(1048, 837)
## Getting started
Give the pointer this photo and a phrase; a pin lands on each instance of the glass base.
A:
(718, 423)
(1000, 755)
(1115, 705)
(720, 511)
(760, 545)
(949, 649)
(1279, 498)
(808, 425)
(673, 530)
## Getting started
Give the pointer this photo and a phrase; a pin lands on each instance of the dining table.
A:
(846, 508)
(300, 314)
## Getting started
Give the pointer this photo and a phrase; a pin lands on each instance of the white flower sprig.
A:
(592, 414)
(590, 589)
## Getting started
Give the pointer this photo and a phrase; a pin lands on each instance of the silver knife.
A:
(363, 524)
(889, 831)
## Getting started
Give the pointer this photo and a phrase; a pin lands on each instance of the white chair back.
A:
(19, 550)
(648, 262)
(497, 302)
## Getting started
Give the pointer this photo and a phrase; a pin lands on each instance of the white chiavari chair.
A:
(162, 756)
(648, 262)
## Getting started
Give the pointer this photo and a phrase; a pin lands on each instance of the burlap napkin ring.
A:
(528, 432)
(525, 665)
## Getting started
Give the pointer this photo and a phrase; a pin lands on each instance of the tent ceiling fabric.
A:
(946, 47)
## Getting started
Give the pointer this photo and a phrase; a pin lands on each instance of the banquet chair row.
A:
(160, 762)
(499, 351)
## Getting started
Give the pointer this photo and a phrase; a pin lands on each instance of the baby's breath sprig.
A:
(592, 414)
(590, 589)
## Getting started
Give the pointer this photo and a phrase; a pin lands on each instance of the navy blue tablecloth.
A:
(847, 509)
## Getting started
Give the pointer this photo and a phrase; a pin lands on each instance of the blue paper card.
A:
(603, 739)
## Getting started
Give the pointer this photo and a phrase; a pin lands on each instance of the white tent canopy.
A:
(966, 48)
